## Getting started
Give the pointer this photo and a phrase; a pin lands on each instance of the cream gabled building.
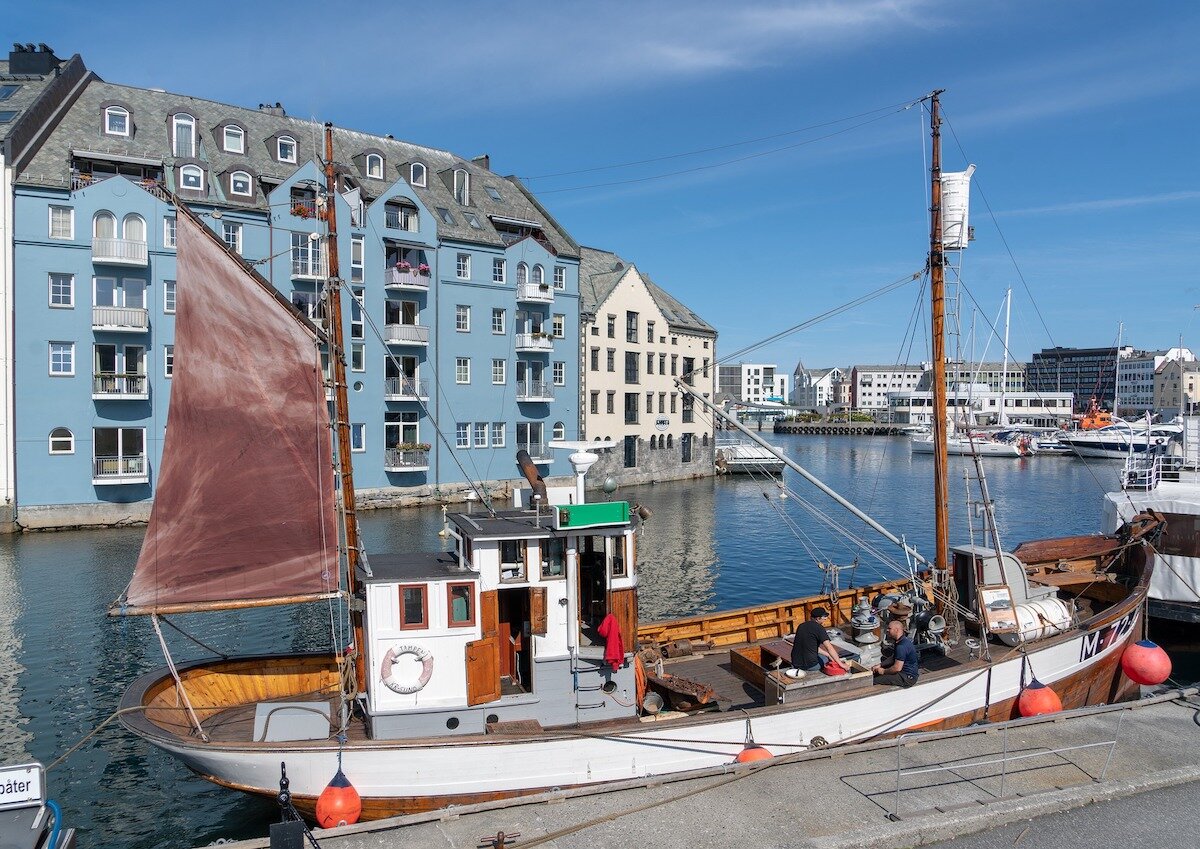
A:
(636, 341)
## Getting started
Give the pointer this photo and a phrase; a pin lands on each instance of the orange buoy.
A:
(1037, 699)
(1146, 663)
(752, 753)
(339, 803)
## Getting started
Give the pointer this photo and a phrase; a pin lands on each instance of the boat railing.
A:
(1147, 470)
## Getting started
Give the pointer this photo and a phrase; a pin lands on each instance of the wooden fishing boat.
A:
(515, 662)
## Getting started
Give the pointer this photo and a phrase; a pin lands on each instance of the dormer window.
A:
(191, 177)
(416, 174)
(234, 140)
(240, 184)
(116, 121)
(374, 166)
(183, 131)
(462, 187)
(286, 149)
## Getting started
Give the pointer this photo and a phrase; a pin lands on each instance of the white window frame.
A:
(462, 187)
(358, 354)
(462, 434)
(138, 222)
(233, 181)
(462, 266)
(558, 325)
(481, 432)
(499, 371)
(279, 143)
(497, 434)
(189, 121)
(560, 277)
(110, 112)
(413, 170)
(70, 437)
(539, 275)
(499, 270)
(462, 318)
(191, 169)
(233, 131)
(70, 214)
(234, 228)
(358, 445)
(462, 370)
(522, 273)
(358, 253)
(69, 349)
(558, 431)
(169, 294)
(498, 327)
(168, 361)
(70, 290)
(170, 233)
(375, 173)
(559, 369)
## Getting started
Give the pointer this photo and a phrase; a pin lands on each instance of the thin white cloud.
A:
(1104, 204)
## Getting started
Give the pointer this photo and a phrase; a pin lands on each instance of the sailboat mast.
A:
(337, 357)
(1004, 370)
(1117, 371)
(937, 289)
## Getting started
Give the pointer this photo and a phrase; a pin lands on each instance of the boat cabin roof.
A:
(597, 518)
(417, 566)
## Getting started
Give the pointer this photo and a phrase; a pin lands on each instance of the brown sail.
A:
(244, 511)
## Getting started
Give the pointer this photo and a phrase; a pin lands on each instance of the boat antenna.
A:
(337, 357)
(937, 291)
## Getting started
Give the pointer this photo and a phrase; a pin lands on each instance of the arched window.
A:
(560, 431)
(285, 148)
(670, 442)
(116, 121)
(240, 184)
(652, 444)
(191, 177)
(62, 441)
(704, 440)
(462, 187)
(134, 228)
(234, 140)
(522, 273)
(104, 225)
(375, 166)
(539, 275)
(183, 130)
(416, 174)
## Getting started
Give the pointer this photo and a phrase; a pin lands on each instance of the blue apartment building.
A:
(462, 340)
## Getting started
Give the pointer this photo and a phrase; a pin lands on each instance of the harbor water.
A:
(711, 544)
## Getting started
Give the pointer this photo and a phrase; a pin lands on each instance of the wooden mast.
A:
(337, 357)
(937, 290)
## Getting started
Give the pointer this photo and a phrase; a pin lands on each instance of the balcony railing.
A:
(405, 389)
(405, 460)
(534, 342)
(119, 251)
(116, 387)
(119, 470)
(309, 267)
(534, 390)
(537, 451)
(535, 293)
(399, 278)
(122, 319)
(406, 334)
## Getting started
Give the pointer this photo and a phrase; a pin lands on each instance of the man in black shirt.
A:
(903, 670)
(812, 641)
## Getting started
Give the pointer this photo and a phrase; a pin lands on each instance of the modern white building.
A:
(870, 385)
(1135, 388)
(972, 405)
(752, 383)
(815, 388)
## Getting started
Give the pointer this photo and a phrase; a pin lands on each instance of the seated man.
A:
(811, 646)
(902, 672)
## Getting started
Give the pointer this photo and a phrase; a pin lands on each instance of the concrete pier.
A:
(950, 784)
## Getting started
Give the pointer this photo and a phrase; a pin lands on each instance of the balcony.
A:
(119, 387)
(538, 451)
(406, 334)
(119, 251)
(405, 460)
(119, 471)
(534, 390)
(535, 342)
(409, 280)
(121, 319)
(405, 389)
(535, 293)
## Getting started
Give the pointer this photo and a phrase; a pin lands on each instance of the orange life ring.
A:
(389, 661)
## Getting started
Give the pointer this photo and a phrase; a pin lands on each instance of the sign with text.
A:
(662, 423)
(996, 605)
(22, 786)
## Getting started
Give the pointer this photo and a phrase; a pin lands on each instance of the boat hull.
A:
(983, 448)
(408, 776)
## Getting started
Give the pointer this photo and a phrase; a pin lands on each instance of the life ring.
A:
(389, 660)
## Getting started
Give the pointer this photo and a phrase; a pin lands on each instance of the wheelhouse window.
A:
(285, 149)
(240, 184)
(183, 133)
(460, 605)
(416, 174)
(375, 166)
(116, 121)
(414, 607)
(62, 441)
(554, 558)
(512, 560)
(233, 139)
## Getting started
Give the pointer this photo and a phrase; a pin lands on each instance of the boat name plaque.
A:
(22, 786)
(574, 516)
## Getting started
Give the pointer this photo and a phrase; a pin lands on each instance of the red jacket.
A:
(614, 646)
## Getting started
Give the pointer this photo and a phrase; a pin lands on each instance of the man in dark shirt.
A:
(902, 672)
(812, 641)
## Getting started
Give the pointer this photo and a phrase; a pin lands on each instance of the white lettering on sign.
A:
(662, 423)
(22, 786)
(1096, 642)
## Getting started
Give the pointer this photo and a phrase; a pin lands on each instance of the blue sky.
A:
(1081, 117)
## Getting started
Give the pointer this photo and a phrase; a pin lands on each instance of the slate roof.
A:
(31, 88)
(80, 130)
(601, 271)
